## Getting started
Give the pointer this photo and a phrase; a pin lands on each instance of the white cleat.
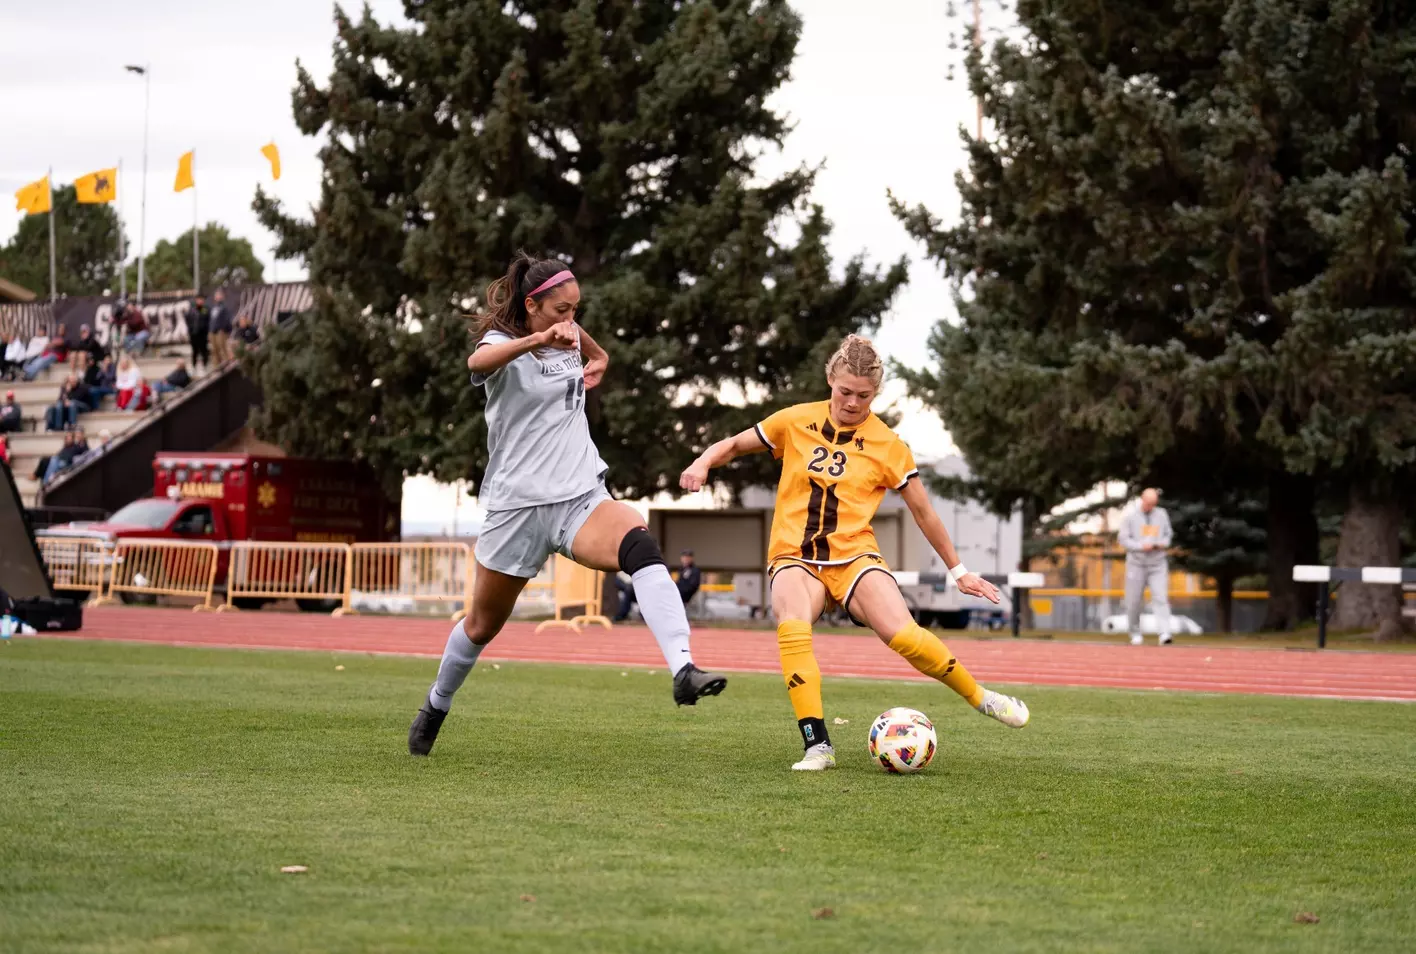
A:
(1165, 639)
(1007, 710)
(1137, 639)
(818, 758)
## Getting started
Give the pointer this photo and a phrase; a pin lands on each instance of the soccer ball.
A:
(902, 740)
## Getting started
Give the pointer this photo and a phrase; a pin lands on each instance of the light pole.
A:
(145, 72)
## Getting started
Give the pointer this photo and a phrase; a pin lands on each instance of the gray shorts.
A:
(519, 542)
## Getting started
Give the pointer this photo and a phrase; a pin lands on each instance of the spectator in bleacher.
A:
(136, 333)
(221, 328)
(176, 381)
(105, 437)
(246, 336)
(37, 344)
(87, 348)
(74, 399)
(11, 416)
(74, 447)
(690, 577)
(199, 331)
(56, 351)
(4, 450)
(12, 357)
(132, 387)
(102, 380)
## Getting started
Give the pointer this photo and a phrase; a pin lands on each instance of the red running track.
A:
(1330, 674)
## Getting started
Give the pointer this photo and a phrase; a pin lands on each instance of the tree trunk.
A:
(1224, 601)
(1371, 536)
(1292, 540)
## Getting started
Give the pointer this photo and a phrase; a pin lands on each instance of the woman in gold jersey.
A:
(838, 461)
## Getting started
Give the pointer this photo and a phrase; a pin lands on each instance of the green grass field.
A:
(149, 797)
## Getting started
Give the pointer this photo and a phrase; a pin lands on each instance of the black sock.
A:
(813, 732)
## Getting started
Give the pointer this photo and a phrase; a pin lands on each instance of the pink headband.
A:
(559, 278)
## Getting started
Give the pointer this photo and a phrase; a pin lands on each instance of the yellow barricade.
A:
(421, 572)
(163, 568)
(580, 586)
(76, 563)
(315, 575)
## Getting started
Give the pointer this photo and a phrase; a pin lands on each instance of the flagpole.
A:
(142, 226)
(53, 288)
(196, 254)
(122, 244)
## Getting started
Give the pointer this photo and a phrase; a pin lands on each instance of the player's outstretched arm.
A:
(917, 499)
(726, 450)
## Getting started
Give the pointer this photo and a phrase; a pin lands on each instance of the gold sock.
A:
(923, 650)
(799, 668)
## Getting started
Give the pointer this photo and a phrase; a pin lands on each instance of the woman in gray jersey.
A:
(544, 489)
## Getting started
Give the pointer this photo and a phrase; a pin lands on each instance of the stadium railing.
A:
(76, 564)
(177, 568)
(416, 572)
(576, 586)
(315, 575)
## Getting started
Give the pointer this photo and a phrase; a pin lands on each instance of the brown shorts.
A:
(839, 579)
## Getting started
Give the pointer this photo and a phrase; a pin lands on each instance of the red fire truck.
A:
(225, 497)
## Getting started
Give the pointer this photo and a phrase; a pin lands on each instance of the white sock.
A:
(662, 608)
(459, 656)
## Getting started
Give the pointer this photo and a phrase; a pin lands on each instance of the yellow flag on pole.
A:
(33, 198)
(100, 186)
(184, 173)
(273, 154)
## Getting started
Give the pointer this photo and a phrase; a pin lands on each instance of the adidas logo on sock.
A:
(795, 681)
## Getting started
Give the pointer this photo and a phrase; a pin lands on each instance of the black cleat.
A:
(692, 684)
(424, 730)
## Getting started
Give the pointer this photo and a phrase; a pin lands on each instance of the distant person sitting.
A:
(87, 348)
(56, 351)
(74, 446)
(105, 437)
(11, 416)
(37, 344)
(74, 399)
(176, 381)
(132, 387)
(136, 333)
(102, 380)
(246, 336)
(690, 577)
(12, 357)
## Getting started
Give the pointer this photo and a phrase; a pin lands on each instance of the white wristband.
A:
(958, 572)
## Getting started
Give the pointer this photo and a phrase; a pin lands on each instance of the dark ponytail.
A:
(506, 297)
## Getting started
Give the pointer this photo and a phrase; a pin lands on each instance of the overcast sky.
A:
(868, 95)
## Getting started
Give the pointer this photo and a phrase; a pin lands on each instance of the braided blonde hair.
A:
(857, 356)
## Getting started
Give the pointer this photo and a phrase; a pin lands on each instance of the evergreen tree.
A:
(1185, 255)
(620, 136)
(1225, 539)
(85, 248)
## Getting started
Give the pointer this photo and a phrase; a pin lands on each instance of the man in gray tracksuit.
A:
(1145, 535)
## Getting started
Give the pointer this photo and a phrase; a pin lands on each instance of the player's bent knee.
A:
(638, 550)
